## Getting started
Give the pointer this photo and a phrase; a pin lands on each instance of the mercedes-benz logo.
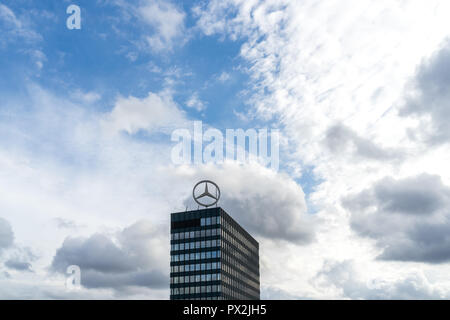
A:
(206, 194)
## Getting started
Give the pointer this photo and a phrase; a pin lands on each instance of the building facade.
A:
(212, 257)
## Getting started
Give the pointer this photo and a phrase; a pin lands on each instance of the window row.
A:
(194, 234)
(195, 278)
(195, 245)
(197, 267)
(249, 287)
(248, 248)
(238, 269)
(238, 254)
(233, 294)
(195, 290)
(236, 233)
(210, 221)
(195, 256)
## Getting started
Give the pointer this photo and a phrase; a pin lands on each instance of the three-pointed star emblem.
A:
(214, 196)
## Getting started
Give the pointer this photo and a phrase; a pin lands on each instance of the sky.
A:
(359, 207)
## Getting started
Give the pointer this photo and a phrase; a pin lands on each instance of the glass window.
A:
(197, 233)
(192, 279)
(181, 235)
(197, 289)
(208, 221)
(203, 267)
(191, 234)
(181, 258)
(213, 243)
(203, 277)
(197, 244)
(202, 244)
(214, 254)
(208, 243)
(197, 278)
(197, 267)
(203, 289)
(197, 256)
(208, 277)
(208, 255)
(177, 246)
(181, 246)
(186, 257)
(202, 233)
(202, 222)
(208, 232)
(186, 235)
(208, 289)
(203, 255)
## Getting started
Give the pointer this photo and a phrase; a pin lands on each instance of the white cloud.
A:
(14, 29)
(85, 97)
(224, 76)
(135, 261)
(8, 15)
(157, 111)
(345, 280)
(6, 234)
(167, 21)
(195, 103)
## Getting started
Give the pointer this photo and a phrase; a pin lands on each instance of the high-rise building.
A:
(212, 257)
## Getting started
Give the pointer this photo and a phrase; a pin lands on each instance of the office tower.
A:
(212, 257)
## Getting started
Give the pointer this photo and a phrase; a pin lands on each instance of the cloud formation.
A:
(167, 21)
(6, 235)
(409, 218)
(14, 29)
(266, 203)
(131, 258)
(429, 98)
(342, 140)
(157, 111)
(347, 280)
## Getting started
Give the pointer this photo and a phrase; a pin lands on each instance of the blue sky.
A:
(357, 88)
(95, 59)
